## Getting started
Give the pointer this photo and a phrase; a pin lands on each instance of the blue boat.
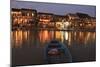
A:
(57, 52)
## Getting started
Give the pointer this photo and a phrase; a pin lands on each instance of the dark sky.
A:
(60, 9)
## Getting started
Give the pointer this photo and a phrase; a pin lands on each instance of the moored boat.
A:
(57, 52)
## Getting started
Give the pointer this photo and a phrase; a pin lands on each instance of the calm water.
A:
(28, 46)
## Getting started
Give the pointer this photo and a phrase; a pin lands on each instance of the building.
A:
(72, 16)
(45, 19)
(61, 22)
(29, 15)
(16, 14)
(23, 17)
(59, 18)
(72, 19)
(87, 22)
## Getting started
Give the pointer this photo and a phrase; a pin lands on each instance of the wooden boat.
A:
(57, 52)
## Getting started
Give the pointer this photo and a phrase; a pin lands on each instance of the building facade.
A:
(45, 20)
(23, 17)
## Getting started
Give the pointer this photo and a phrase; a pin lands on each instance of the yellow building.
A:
(23, 17)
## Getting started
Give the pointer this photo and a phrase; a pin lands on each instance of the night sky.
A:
(60, 9)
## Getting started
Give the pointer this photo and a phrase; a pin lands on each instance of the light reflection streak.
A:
(20, 37)
(66, 35)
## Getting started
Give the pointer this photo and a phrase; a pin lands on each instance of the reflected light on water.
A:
(66, 35)
(25, 35)
(20, 37)
(59, 36)
(44, 36)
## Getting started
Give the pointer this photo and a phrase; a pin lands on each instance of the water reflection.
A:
(32, 43)
(21, 38)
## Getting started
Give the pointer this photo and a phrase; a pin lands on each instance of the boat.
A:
(57, 52)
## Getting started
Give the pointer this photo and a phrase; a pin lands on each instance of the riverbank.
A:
(53, 29)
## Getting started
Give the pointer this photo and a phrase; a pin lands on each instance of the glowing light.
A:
(67, 23)
(28, 14)
(69, 38)
(59, 25)
(44, 36)
(25, 35)
(44, 20)
(66, 35)
(18, 38)
(80, 24)
(59, 36)
(32, 14)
